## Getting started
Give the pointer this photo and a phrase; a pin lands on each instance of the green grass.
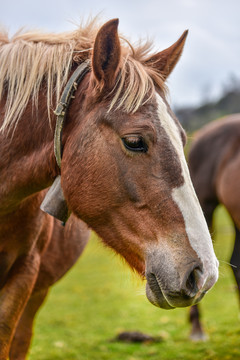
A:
(100, 297)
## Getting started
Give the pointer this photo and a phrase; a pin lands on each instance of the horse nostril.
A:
(193, 281)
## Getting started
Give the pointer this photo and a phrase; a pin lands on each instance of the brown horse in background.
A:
(123, 172)
(214, 163)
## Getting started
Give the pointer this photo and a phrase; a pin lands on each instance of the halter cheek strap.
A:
(63, 105)
(54, 202)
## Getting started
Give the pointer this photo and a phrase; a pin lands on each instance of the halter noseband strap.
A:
(54, 202)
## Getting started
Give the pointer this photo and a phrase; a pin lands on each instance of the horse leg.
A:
(235, 259)
(64, 248)
(14, 296)
(197, 332)
(23, 333)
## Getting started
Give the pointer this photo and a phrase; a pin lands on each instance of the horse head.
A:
(124, 171)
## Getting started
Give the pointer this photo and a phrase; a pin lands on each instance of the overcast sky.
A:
(211, 54)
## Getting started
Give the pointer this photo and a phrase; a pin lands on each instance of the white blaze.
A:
(187, 201)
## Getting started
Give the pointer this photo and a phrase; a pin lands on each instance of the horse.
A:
(112, 153)
(214, 164)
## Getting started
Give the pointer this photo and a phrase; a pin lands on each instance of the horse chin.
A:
(157, 298)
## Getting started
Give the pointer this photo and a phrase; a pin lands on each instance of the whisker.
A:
(222, 274)
(141, 292)
(228, 263)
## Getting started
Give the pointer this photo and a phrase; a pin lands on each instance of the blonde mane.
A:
(29, 59)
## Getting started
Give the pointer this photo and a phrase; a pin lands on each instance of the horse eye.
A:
(135, 143)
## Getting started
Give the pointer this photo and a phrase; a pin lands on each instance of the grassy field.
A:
(100, 297)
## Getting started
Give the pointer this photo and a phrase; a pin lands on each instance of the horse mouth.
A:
(168, 299)
(155, 294)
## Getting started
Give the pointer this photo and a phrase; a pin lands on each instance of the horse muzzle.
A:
(170, 286)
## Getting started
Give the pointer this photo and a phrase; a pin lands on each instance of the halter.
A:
(54, 202)
(63, 105)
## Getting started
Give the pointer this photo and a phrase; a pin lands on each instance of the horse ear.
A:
(166, 60)
(106, 54)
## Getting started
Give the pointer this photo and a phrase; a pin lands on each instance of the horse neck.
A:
(27, 163)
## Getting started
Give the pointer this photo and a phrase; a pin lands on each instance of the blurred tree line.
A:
(193, 118)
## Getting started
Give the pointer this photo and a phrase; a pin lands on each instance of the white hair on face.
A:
(186, 199)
